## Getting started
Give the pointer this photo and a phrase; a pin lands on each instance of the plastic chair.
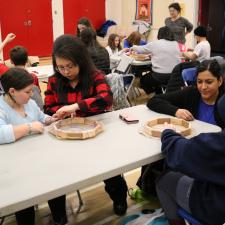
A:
(188, 217)
(128, 80)
(189, 76)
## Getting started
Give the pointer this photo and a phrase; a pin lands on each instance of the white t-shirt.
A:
(202, 50)
(165, 55)
(112, 54)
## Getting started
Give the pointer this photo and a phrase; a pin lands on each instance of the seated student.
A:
(82, 24)
(18, 57)
(9, 38)
(77, 87)
(195, 181)
(165, 55)
(190, 103)
(133, 39)
(99, 54)
(114, 48)
(194, 102)
(202, 50)
(20, 116)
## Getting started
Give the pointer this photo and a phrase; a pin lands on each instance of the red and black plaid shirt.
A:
(100, 96)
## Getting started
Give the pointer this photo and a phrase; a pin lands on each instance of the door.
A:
(73, 10)
(31, 21)
(213, 17)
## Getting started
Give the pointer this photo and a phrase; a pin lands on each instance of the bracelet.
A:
(29, 128)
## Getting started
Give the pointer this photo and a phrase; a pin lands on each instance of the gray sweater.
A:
(179, 27)
(165, 55)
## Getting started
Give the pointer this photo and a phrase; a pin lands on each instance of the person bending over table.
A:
(78, 88)
(202, 50)
(165, 55)
(190, 103)
(194, 102)
(20, 116)
(195, 181)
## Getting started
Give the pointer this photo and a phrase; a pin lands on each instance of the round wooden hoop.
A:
(149, 126)
(56, 128)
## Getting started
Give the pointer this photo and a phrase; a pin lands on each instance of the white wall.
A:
(126, 15)
(57, 18)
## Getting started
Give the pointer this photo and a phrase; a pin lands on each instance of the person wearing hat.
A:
(195, 179)
(202, 49)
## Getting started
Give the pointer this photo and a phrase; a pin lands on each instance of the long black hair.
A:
(214, 68)
(84, 21)
(16, 78)
(72, 48)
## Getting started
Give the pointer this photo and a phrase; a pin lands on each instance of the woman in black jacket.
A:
(190, 103)
(196, 102)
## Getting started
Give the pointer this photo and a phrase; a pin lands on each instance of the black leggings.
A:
(152, 82)
(57, 207)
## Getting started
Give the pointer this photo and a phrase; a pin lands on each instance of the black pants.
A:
(57, 207)
(152, 82)
(149, 173)
(116, 187)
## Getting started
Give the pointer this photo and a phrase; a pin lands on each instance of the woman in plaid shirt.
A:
(78, 88)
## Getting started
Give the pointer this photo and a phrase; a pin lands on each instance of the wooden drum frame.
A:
(149, 129)
(57, 128)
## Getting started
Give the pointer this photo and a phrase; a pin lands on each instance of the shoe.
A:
(120, 208)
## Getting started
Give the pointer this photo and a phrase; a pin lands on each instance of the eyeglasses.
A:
(64, 68)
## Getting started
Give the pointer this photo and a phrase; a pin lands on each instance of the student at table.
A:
(19, 117)
(133, 39)
(165, 55)
(99, 54)
(78, 88)
(19, 57)
(190, 103)
(202, 50)
(195, 102)
(195, 181)
(114, 48)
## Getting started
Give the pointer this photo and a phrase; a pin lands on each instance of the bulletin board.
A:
(144, 10)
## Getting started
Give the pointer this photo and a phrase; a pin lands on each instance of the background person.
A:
(179, 25)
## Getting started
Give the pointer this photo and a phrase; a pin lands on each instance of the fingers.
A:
(184, 114)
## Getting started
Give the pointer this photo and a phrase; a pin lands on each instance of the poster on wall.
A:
(144, 10)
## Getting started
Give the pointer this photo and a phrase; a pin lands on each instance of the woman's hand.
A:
(37, 127)
(68, 110)
(184, 114)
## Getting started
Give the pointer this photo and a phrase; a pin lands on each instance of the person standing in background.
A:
(179, 25)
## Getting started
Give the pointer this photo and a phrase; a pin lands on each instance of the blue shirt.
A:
(127, 45)
(206, 113)
(9, 117)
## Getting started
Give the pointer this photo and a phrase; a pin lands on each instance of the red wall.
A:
(94, 10)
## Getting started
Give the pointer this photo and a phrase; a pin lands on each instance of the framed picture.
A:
(144, 10)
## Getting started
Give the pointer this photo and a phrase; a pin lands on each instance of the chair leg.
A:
(2, 219)
(81, 203)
